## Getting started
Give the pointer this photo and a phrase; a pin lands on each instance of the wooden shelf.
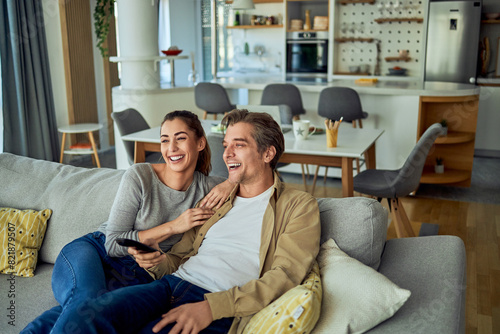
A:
(346, 2)
(258, 1)
(490, 21)
(489, 84)
(449, 176)
(455, 137)
(352, 39)
(262, 26)
(456, 149)
(411, 19)
(79, 151)
(406, 59)
(302, 30)
(350, 73)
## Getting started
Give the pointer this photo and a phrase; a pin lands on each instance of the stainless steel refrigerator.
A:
(453, 40)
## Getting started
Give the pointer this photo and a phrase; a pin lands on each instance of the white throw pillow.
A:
(355, 296)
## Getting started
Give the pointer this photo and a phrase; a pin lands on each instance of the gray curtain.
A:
(28, 107)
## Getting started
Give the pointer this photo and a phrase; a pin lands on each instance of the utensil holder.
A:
(331, 137)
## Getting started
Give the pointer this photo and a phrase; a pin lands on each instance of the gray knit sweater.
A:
(143, 202)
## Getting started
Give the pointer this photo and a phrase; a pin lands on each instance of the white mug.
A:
(301, 129)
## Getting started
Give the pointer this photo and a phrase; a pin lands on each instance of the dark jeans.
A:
(84, 271)
(137, 308)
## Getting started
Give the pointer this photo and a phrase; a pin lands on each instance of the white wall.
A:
(185, 33)
(491, 6)
(54, 46)
(272, 39)
(56, 60)
(488, 119)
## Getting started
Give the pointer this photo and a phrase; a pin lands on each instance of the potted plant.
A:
(103, 13)
(439, 167)
(444, 124)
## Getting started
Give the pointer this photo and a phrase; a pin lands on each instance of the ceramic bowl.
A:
(492, 16)
(400, 71)
(354, 69)
(171, 52)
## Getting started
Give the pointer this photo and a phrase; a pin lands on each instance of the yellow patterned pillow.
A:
(297, 311)
(21, 236)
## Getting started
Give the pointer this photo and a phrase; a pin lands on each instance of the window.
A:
(225, 54)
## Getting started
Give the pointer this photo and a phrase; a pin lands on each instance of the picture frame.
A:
(497, 66)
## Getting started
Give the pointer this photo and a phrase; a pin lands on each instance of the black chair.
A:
(288, 98)
(212, 99)
(130, 121)
(394, 184)
(217, 149)
(283, 94)
(337, 102)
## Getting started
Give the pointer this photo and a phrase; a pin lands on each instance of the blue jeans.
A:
(137, 309)
(84, 271)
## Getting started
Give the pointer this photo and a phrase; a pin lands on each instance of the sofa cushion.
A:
(355, 296)
(21, 236)
(296, 311)
(23, 299)
(434, 269)
(358, 226)
(79, 198)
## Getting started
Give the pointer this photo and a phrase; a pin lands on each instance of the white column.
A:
(138, 39)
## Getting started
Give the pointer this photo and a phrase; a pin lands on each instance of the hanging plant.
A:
(103, 13)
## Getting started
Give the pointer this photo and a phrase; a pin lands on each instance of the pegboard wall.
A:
(357, 20)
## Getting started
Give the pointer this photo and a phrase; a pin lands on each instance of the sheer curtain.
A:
(28, 108)
(1, 109)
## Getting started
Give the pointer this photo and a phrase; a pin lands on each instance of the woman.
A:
(153, 201)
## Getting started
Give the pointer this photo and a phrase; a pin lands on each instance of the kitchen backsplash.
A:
(358, 21)
(382, 40)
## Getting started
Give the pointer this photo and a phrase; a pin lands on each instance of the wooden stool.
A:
(80, 128)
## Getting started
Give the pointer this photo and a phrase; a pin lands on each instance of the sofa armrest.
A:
(434, 270)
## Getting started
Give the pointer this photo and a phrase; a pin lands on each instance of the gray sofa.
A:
(432, 268)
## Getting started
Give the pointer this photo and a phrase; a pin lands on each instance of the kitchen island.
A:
(393, 106)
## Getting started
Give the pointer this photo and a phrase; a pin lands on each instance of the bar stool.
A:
(87, 128)
(286, 95)
(337, 102)
(212, 99)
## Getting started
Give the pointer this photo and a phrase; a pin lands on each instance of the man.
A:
(258, 245)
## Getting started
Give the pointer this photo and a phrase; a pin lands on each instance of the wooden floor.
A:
(479, 227)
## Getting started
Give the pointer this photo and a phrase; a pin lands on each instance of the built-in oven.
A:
(307, 54)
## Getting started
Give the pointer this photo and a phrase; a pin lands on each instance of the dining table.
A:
(352, 143)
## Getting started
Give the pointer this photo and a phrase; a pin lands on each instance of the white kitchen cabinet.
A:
(488, 122)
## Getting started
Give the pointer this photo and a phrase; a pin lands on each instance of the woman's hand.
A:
(189, 219)
(217, 196)
(186, 221)
(147, 259)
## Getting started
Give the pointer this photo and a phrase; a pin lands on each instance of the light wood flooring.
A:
(479, 227)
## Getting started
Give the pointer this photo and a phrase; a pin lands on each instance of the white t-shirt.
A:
(229, 253)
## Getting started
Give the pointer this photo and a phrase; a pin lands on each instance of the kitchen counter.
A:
(392, 105)
(382, 87)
